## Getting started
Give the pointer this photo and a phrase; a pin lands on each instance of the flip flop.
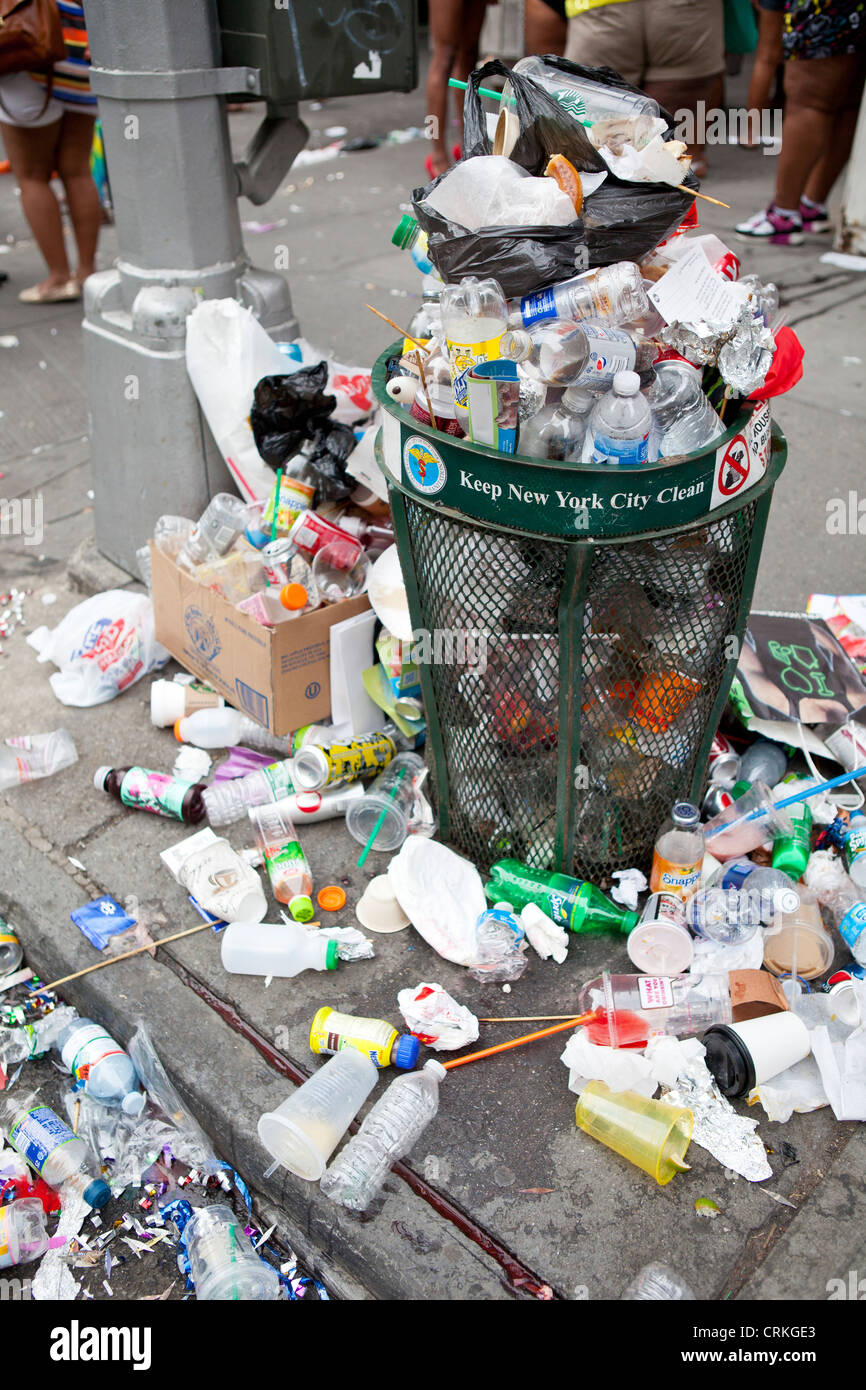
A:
(63, 294)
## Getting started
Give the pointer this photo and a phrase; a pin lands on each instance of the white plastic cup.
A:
(303, 1132)
(222, 1262)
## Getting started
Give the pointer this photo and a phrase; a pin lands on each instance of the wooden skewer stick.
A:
(527, 1018)
(401, 331)
(426, 391)
(112, 960)
(693, 193)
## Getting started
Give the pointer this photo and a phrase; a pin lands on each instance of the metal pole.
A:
(156, 70)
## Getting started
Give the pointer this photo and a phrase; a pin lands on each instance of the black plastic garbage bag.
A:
(332, 443)
(287, 410)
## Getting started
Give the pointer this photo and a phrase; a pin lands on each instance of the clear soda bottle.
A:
(474, 317)
(614, 294)
(683, 419)
(284, 858)
(678, 853)
(621, 423)
(557, 431)
(393, 1126)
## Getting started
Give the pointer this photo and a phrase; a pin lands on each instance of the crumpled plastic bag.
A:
(715, 958)
(491, 191)
(435, 1017)
(103, 646)
(287, 409)
(441, 894)
(622, 1069)
(189, 1142)
(843, 1065)
(351, 386)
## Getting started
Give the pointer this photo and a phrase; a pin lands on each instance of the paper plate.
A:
(387, 594)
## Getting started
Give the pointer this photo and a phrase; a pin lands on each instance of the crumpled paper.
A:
(543, 934)
(622, 1069)
(714, 958)
(436, 1018)
(631, 883)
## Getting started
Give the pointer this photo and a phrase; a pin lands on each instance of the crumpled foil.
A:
(718, 1128)
(53, 1281)
(743, 350)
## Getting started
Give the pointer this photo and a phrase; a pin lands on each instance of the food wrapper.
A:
(436, 1018)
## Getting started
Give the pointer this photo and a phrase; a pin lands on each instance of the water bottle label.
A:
(465, 356)
(853, 924)
(154, 791)
(536, 307)
(40, 1134)
(656, 992)
(86, 1048)
(625, 453)
(855, 845)
(279, 780)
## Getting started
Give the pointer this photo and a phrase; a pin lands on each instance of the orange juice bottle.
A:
(678, 853)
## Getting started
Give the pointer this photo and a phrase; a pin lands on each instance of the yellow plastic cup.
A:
(650, 1134)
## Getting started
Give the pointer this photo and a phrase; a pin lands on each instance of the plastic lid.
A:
(403, 232)
(331, 898)
(167, 703)
(177, 733)
(97, 1194)
(405, 1051)
(301, 907)
(332, 956)
(133, 1103)
(626, 383)
(729, 1060)
(660, 948)
(293, 597)
(99, 777)
(685, 814)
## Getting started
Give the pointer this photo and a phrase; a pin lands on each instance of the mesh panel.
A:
(655, 618)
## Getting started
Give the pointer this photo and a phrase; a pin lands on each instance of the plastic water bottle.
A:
(23, 1236)
(659, 1283)
(846, 904)
(562, 353)
(854, 852)
(621, 423)
(770, 891)
(285, 862)
(558, 431)
(224, 519)
(19, 1044)
(223, 728)
(29, 757)
(51, 1148)
(683, 419)
(222, 1262)
(763, 761)
(228, 801)
(474, 317)
(392, 1128)
(499, 945)
(614, 294)
(100, 1066)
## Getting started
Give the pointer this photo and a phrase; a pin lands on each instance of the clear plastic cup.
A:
(302, 1133)
(389, 800)
(222, 1262)
(745, 824)
(651, 1135)
(340, 571)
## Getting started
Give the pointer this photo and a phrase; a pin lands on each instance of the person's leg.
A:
(82, 195)
(685, 62)
(445, 25)
(467, 50)
(762, 84)
(835, 156)
(32, 153)
(544, 29)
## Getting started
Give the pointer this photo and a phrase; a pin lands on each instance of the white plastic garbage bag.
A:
(103, 646)
(227, 354)
(491, 191)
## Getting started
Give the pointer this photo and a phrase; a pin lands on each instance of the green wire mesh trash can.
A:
(577, 630)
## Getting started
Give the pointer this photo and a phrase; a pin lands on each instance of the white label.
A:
(742, 462)
(656, 992)
(691, 291)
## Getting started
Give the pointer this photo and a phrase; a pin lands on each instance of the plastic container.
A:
(621, 424)
(29, 757)
(582, 98)
(798, 943)
(854, 851)
(634, 1008)
(588, 354)
(769, 890)
(682, 417)
(302, 1133)
(23, 1236)
(727, 916)
(791, 853)
(283, 949)
(224, 519)
(614, 294)
(146, 790)
(474, 317)
(285, 861)
(660, 943)
(393, 1127)
(171, 700)
(340, 571)
(332, 1031)
(653, 1136)
(678, 853)
(226, 727)
(222, 1262)
(657, 1283)
(51, 1148)
(390, 800)
(743, 1055)
(11, 950)
(100, 1066)
(763, 761)
(735, 831)
(229, 801)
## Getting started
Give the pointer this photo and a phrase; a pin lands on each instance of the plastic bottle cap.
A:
(293, 596)
(626, 383)
(301, 907)
(177, 733)
(405, 1052)
(331, 898)
(685, 814)
(133, 1103)
(331, 956)
(97, 1194)
(99, 777)
(402, 233)
(790, 857)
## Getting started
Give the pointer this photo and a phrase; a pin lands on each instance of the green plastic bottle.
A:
(791, 853)
(571, 902)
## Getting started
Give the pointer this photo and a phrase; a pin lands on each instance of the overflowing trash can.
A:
(577, 630)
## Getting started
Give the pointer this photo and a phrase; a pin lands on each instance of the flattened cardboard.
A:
(755, 993)
(279, 676)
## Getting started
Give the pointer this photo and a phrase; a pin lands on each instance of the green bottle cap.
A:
(739, 789)
(331, 956)
(791, 856)
(405, 231)
(301, 908)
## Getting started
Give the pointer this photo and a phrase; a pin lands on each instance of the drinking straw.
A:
(798, 796)
(518, 1042)
(277, 504)
(482, 91)
(401, 773)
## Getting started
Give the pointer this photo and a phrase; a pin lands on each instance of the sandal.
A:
(62, 294)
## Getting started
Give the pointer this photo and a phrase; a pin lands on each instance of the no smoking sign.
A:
(743, 460)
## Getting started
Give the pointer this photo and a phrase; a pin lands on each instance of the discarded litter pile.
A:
(632, 364)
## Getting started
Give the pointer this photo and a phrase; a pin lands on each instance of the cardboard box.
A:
(279, 676)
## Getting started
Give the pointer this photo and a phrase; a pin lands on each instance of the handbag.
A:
(31, 36)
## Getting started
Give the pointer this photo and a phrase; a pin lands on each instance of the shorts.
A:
(830, 85)
(23, 101)
(651, 40)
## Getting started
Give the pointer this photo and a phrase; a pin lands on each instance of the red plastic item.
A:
(631, 1030)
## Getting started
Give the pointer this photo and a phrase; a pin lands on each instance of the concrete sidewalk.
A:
(503, 1197)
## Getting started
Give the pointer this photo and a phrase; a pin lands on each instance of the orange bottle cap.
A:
(293, 596)
(177, 734)
(331, 899)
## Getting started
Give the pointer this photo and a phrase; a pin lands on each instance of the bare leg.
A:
(834, 158)
(543, 30)
(768, 56)
(467, 52)
(806, 134)
(445, 26)
(32, 152)
(82, 196)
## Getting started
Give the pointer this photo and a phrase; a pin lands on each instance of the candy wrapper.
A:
(437, 1019)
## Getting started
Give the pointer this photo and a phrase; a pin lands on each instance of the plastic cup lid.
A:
(660, 948)
(331, 898)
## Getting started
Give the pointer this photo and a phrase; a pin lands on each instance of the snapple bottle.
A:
(678, 853)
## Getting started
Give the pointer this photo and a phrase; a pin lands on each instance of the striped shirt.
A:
(72, 74)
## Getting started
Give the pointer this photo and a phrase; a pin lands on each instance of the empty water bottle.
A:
(51, 1148)
(392, 1128)
(558, 431)
(221, 523)
(614, 294)
(99, 1065)
(562, 353)
(500, 942)
(683, 419)
(620, 424)
(228, 801)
